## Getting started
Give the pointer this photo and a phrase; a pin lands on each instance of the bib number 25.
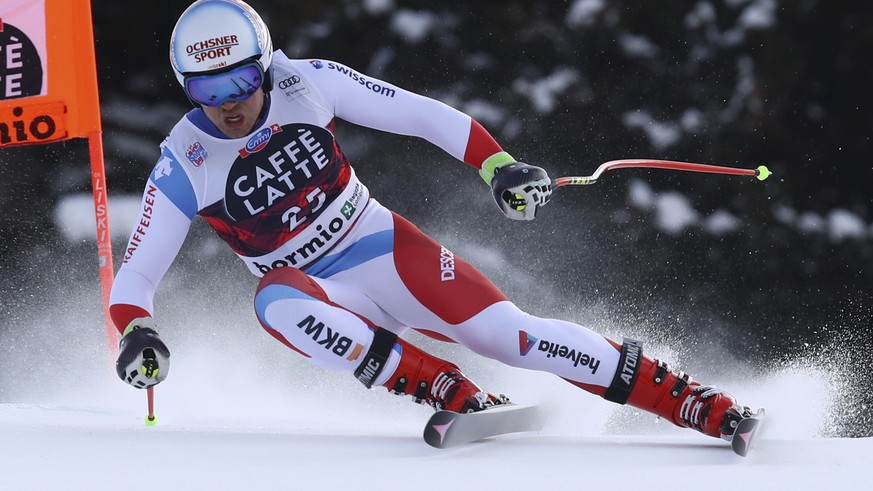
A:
(294, 215)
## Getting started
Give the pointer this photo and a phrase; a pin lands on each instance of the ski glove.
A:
(143, 359)
(520, 190)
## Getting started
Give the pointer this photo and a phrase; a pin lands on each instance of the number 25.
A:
(292, 215)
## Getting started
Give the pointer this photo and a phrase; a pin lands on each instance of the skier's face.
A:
(236, 119)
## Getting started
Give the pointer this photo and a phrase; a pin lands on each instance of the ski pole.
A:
(151, 419)
(761, 172)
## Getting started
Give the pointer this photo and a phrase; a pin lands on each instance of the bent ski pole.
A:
(761, 172)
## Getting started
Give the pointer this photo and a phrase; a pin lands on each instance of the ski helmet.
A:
(214, 35)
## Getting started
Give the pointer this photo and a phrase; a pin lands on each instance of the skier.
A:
(341, 276)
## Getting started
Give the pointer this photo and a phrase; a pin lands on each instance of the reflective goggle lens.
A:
(235, 85)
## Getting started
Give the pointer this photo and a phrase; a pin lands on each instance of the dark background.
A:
(791, 91)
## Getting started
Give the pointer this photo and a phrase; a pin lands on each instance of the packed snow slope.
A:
(241, 411)
(226, 424)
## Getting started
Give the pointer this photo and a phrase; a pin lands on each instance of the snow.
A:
(721, 222)
(378, 7)
(485, 111)
(413, 26)
(760, 14)
(638, 46)
(673, 213)
(702, 14)
(241, 411)
(661, 134)
(843, 225)
(544, 92)
(75, 220)
(811, 222)
(583, 13)
(251, 431)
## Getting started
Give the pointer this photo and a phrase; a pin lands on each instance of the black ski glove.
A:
(520, 190)
(143, 359)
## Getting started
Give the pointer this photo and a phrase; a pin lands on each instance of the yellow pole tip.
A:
(763, 172)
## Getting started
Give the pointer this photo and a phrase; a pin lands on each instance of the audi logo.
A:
(288, 82)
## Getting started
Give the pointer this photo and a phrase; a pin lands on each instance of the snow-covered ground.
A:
(239, 411)
(331, 434)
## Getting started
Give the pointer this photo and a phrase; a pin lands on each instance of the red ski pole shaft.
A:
(761, 172)
(151, 419)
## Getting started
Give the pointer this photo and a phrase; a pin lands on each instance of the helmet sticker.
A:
(212, 49)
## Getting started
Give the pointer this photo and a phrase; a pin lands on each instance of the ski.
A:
(745, 433)
(447, 428)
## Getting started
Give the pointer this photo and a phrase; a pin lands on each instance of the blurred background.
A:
(725, 273)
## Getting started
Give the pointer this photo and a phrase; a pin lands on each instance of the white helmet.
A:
(212, 35)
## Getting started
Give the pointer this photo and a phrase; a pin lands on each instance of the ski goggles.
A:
(236, 85)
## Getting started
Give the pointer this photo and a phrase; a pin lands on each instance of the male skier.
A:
(343, 277)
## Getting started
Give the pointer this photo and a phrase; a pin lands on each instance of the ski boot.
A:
(650, 385)
(428, 379)
(701, 407)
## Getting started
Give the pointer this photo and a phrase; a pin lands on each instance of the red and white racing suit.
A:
(334, 262)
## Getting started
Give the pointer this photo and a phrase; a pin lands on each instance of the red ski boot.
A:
(649, 384)
(428, 379)
(438, 383)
